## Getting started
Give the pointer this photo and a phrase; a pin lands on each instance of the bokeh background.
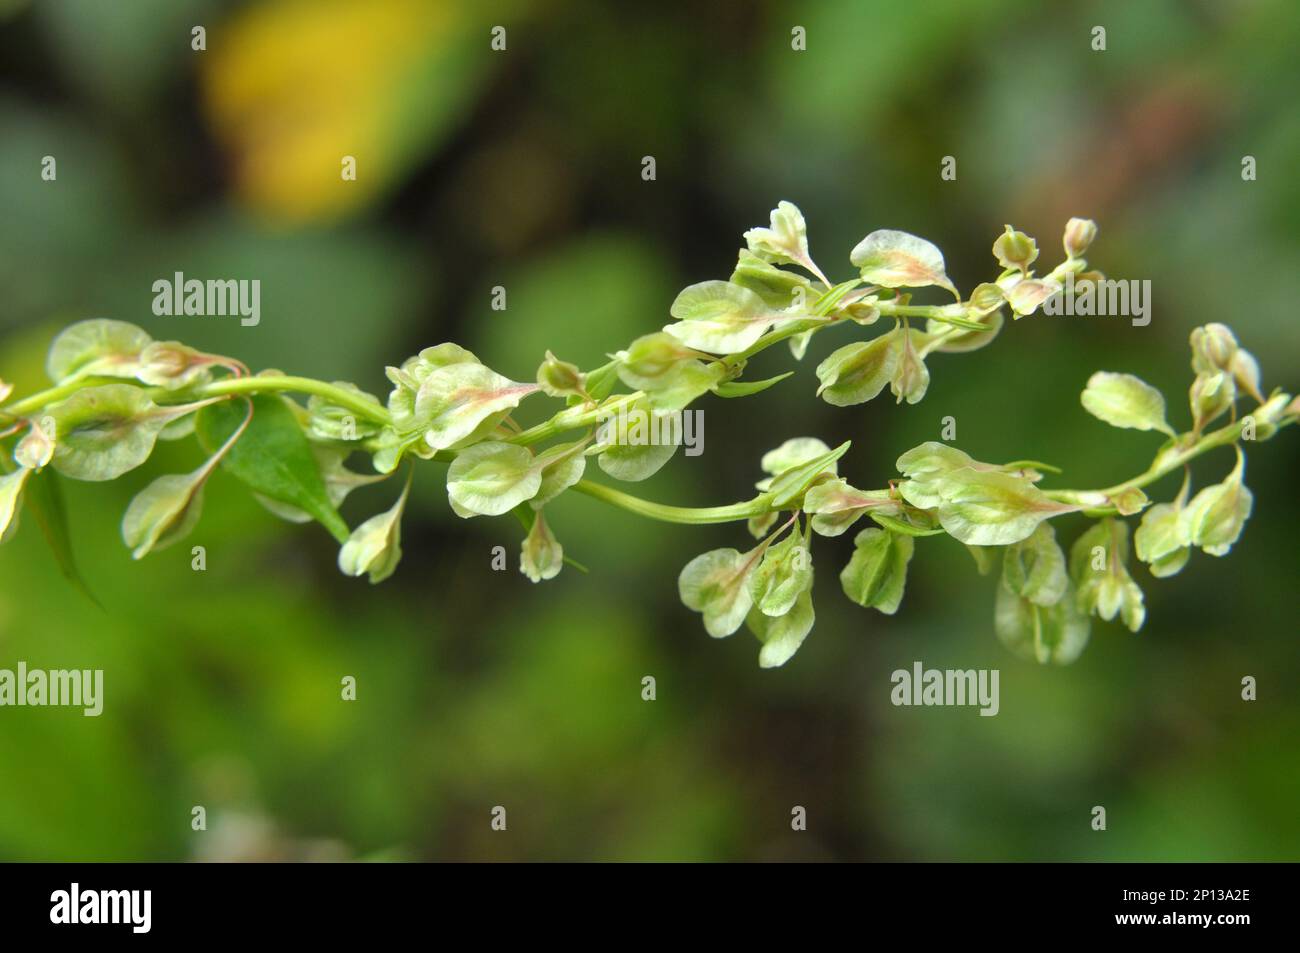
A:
(522, 168)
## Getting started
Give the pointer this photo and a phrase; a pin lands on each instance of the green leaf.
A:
(273, 458)
(1123, 400)
(1034, 568)
(43, 498)
(98, 347)
(716, 584)
(103, 432)
(748, 388)
(894, 259)
(1054, 634)
(492, 478)
(877, 573)
(164, 512)
(782, 635)
(991, 508)
(719, 317)
(858, 372)
(375, 547)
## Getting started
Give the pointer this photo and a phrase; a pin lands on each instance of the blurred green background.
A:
(522, 168)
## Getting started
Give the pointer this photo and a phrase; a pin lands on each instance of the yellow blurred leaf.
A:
(293, 86)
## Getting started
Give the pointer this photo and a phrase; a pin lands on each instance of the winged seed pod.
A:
(116, 392)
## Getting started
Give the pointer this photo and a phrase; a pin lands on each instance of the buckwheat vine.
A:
(116, 391)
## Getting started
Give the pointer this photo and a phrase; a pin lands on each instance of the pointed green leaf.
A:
(272, 458)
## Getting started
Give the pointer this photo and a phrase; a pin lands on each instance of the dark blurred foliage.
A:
(522, 169)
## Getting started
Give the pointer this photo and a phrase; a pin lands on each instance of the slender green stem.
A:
(29, 405)
(575, 418)
(305, 385)
(695, 516)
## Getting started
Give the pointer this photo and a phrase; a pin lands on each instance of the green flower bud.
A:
(1015, 249)
(1210, 395)
(36, 448)
(375, 547)
(173, 365)
(1212, 348)
(1270, 414)
(1079, 234)
(542, 556)
(1101, 578)
(1217, 514)
(1245, 369)
(559, 378)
